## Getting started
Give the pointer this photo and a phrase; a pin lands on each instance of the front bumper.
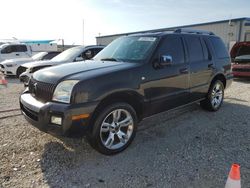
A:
(9, 71)
(39, 115)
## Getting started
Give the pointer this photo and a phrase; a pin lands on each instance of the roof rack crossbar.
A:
(180, 30)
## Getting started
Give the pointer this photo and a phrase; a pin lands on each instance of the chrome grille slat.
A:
(40, 90)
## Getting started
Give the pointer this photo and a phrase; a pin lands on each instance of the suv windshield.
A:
(68, 55)
(133, 49)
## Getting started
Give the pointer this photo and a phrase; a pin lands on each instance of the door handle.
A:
(17, 54)
(183, 70)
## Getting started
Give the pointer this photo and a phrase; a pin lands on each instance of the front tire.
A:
(19, 71)
(215, 96)
(113, 129)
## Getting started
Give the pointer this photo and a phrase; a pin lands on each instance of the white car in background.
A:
(11, 67)
(74, 54)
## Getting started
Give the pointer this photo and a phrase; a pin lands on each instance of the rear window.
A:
(194, 48)
(220, 49)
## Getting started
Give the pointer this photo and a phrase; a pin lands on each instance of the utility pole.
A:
(83, 32)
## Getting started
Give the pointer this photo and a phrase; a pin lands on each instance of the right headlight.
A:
(63, 91)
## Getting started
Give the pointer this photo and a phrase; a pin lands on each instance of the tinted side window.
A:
(206, 52)
(194, 48)
(219, 47)
(88, 54)
(18, 48)
(7, 50)
(21, 48)
(172, 45)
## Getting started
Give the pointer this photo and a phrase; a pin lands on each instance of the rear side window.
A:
(20, 48)
(194, 48)
(172, 45)
(219, 47)
(206, 53)
(14, 48)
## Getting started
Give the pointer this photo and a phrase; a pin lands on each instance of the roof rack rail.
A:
(152, 31)
(180, 30)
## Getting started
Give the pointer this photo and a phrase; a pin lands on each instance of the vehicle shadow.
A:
(243, 79)
(187, 147)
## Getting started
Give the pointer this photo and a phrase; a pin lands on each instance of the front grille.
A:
(40, 90)
(241, 69)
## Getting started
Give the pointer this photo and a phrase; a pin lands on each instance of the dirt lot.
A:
(188, 147)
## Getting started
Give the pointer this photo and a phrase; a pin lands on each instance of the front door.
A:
(168, 87)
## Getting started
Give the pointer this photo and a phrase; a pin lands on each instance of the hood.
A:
(79, 70)
(239, 49)
(17, 61)
(41, 63)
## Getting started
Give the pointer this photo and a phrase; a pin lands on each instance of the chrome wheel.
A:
(116, 129)
(217, 95)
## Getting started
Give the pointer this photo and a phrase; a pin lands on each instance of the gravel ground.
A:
(188, 147)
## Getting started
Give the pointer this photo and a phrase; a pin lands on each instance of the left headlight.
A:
(63, 91)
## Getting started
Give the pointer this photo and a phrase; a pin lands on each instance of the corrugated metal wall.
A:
(230, 32)
(227, 31)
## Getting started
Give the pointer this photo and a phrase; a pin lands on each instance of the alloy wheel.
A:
(217, 95)
(116, 129)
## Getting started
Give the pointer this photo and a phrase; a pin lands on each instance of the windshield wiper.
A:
(109, 59)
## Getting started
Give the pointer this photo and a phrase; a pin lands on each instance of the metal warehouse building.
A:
(231, 31)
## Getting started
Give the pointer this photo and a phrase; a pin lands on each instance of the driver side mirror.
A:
(166, 60)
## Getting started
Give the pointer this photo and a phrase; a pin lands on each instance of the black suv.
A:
(132, 78)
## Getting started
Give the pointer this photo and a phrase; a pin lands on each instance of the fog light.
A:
(56, 120)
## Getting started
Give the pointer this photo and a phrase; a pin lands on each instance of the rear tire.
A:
(113, 129)
(214, 98)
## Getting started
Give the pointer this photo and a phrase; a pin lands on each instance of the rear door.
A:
(201, 65)
(21, 51)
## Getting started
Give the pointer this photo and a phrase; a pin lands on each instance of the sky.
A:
(80, 21)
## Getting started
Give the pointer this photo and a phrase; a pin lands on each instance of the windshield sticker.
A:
(148, 39)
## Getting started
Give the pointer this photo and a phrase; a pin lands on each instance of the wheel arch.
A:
(130, 97)
(220, 77)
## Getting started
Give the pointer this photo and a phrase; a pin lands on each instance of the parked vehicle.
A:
(74, 54)
(22, 50)
(11, 67)
(12, 51)
(132, 78)
(240, 55)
